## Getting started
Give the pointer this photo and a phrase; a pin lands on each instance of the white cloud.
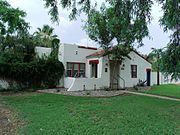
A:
(64, 22)
(87, 42)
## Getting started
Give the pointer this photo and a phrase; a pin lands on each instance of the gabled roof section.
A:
(140, 55)
(84, 47)
(101, 53)
(96, 54)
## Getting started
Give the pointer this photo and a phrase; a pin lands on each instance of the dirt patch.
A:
(8, 120)
(9, 93)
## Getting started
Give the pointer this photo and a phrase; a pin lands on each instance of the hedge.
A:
(37, 73)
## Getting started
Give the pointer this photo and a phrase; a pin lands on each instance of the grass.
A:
(170, 90)
(48, 114)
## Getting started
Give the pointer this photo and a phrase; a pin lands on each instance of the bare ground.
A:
(8, 120)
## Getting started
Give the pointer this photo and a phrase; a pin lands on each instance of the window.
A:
(76, 52)
(82, 70)
(75, 69)
(134, 71)
(106, 69)
(69, 69)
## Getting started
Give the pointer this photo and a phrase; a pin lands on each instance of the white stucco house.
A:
(87, 69)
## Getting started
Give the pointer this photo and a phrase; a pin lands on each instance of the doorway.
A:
(94, 70)
(148, 72)
(114, 74)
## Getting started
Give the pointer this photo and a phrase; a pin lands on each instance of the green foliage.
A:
(20, 66)
(171, 13)
(17, 48)
(15, 42)
(118, 52)
(154, 58)
(37, 73)
(76, 7)
(171, 21)
(51, 114)
(97, 28)
(18, 62)
(46, 37)
(124, 21)
(11, 19)
(170, 61)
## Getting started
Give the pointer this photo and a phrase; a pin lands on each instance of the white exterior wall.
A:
(67, 53)
(3, 84)
(142, 65)
(104, 76)
(88, 67)
(68, 82)
(89, 83)
(162, 79)
(84, 83)
(42, 51)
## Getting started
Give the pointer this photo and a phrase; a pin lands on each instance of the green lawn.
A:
(48, 114)
(170, 90)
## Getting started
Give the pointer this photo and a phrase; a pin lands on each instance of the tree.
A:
(171, 61)
(171, 21)
(124, 21)
(156, 59)
(97, 28)
(13, 34)
(12, 20)
(12, 26)
(84, 6)
(18, 49)
(153, 58)
(46, 37)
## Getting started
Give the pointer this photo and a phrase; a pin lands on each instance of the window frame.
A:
(133, 71)
(79, 69)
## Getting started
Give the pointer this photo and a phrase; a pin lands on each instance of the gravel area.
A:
(87, 93)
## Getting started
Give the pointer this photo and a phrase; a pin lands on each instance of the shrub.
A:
(37, 73)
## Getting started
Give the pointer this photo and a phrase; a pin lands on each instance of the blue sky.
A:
(72, 32)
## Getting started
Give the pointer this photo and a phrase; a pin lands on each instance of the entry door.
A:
(114, 72)
(148, 77)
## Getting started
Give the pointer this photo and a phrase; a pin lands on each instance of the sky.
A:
(72, 31)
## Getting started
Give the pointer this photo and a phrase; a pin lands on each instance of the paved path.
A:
(151, 95)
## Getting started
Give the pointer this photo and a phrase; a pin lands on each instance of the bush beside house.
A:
(35, 74)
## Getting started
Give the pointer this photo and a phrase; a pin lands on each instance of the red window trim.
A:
(148, 69)
(94, 61)
(72, 70)
(132, 75)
